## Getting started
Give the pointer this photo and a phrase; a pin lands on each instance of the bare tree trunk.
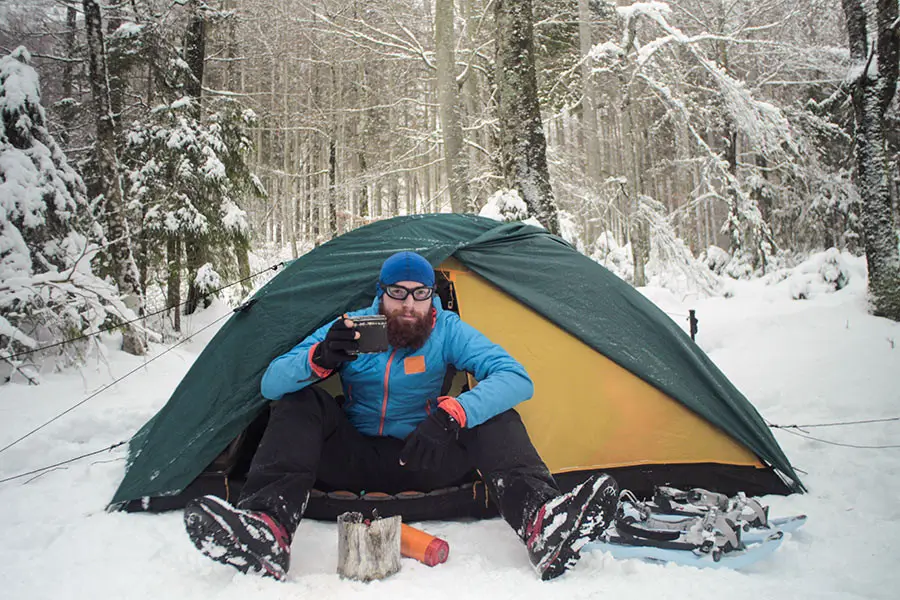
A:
(364, 189)
(173, 281)
(639, 232)
(455, 160)
(736, 242)
(289, 189)
(377, 205)
(195, 55)
(124, 269)
(114, 68)
(470, 101)
(334, 132)
(588, 106)
(394, 193)
(522, 142)
(640, 250)
(67, 112)
(232, 76)
(411, 187)
(425, 172)
(313, 100)
(332, 191)
(314, 212)
(872, 94)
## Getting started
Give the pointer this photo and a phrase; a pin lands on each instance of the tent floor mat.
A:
(470, 500)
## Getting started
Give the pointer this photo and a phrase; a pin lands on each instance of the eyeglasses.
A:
(398, 292)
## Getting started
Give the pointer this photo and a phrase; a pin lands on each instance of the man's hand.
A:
(426, 445)
(339, 346)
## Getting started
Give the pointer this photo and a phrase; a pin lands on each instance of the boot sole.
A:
(588, 525)
(210, 525)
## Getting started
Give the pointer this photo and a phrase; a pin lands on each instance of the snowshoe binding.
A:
(712, 533)
(563, 525)
(246, 540)
(697, 501)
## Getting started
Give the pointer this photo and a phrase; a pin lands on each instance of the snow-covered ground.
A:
(818, 360)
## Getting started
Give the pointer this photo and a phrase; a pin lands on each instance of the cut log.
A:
(368, 550)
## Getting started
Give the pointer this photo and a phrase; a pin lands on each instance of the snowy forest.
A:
(154, 151)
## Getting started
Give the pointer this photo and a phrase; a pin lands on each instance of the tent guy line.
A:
(841, 444)
(65, 462)
(106, 387)
(835, 424)
(141, 318)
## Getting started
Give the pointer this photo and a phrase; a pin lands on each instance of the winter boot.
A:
(556, 533)
(246, 540)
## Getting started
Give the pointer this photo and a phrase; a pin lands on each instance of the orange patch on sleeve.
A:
(413, 365)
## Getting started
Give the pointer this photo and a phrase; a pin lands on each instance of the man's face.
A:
(409, 320)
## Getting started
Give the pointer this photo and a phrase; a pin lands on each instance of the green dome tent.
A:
(619, 387)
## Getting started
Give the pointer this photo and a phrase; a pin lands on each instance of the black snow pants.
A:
(309, 439)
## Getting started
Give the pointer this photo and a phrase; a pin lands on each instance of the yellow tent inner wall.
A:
(588, 412)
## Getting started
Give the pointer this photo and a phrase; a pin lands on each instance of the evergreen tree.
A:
(48, 235)
(187, 176)
(186, 171)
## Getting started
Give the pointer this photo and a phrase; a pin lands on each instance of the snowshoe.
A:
(243, 539)
(696, 528)
(562, 526)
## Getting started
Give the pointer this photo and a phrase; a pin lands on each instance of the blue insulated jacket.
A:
(389, 393)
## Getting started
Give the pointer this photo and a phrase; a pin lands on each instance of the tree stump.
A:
(368, 550)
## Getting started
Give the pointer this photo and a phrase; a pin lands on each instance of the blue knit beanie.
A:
(406, 266)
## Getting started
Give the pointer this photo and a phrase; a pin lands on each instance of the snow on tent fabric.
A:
(619, 387)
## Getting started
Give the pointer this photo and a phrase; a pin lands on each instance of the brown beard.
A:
(404, 334)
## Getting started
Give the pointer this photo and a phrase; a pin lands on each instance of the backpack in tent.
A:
(619, 387)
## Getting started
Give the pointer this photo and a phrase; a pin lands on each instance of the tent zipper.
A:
(387, 376)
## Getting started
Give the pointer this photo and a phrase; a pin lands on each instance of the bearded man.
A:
(396, 432)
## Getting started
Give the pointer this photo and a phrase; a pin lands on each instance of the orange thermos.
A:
(424, 547)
